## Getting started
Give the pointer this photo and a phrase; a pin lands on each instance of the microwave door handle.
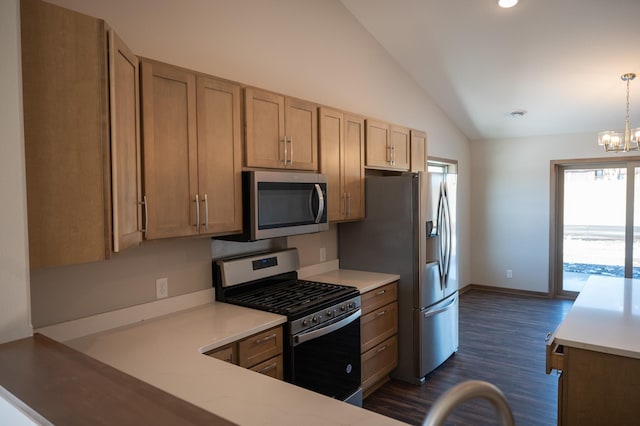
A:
(320, 203)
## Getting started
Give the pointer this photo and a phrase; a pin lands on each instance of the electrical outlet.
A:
(323, 254)
(509, 273)
(162, 288)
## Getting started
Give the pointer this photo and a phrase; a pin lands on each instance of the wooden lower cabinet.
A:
(378, 336)
(261, 352)
(595, 388)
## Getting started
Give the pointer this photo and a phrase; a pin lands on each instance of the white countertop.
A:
(364, 281)
(166, 352)
(604, 318)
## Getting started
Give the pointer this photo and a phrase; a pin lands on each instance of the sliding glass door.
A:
(598, 210)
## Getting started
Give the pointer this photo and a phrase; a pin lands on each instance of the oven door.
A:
(327, 360)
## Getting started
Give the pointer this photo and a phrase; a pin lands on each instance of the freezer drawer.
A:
(437, 327)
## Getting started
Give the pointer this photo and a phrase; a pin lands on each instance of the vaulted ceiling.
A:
(559, 60)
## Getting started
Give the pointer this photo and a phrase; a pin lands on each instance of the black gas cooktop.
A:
(292, 297)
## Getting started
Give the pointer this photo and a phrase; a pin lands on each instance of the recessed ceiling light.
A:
(507, 3)
(518, 113)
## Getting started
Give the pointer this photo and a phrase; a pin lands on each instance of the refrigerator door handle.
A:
(441, 236)
(447, 225)
(440, 310)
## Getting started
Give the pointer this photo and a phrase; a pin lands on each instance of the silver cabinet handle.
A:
(291, 151)
(383, 348)
(389, 154)
(344, 204)
(381, 313)
(348, 204)
(264, 339)
(267, 368)
(197, 213)
(381, 292)
(393, 155)
(146, 216)
(320, 203)
(284, 141)
(206, 212)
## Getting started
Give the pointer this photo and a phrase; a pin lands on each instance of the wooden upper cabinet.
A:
(342, 160)
(377, 145)
(281, 132)
(169, 141)
(418, 151)
(354, 166)
(399, 142)
(71, 77)
(219, 156)
(192, 141)
(388, 146)
(125, 145)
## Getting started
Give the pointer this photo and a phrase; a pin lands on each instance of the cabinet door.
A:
(354, 166)
(378, 152)
(219, 156)
(331, 143)
(301, 131)
(378, 325)
(65, 103)
(399, 142)
(264, 121)
(170, 151)
(418, 151)
(125, 145)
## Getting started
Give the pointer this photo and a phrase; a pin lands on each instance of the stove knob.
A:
(305, 322)
(314, 319)
(329, 313)
(343, 308)
(351, 305)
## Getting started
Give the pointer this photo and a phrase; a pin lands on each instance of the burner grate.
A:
(290, 296)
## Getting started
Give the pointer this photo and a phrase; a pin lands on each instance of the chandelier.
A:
(616, 141)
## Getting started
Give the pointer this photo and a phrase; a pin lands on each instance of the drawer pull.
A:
(381, 313)
(383, 348)
(381, 292)
(268, 368)
(264, 339)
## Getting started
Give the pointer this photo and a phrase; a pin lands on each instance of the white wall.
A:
(311, 49)
(15, 321)
(510, 195)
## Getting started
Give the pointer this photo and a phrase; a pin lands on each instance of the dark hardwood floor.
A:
(502, 342)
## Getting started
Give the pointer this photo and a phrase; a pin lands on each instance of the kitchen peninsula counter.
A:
(167, 352)
(604, 318)
(596, 351)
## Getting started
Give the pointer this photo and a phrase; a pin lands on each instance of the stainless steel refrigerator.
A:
(409, 230)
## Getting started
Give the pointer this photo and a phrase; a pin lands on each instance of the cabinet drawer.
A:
(260, 347)
(379, 362)
(271, 367)
(555, 356)
(379, 297)
(378, 325)
(226, 354)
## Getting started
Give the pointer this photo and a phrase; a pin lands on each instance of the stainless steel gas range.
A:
(322, 332)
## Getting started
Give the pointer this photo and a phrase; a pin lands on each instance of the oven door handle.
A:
(305, 337)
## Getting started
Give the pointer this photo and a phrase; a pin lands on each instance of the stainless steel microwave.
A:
(278, 204)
